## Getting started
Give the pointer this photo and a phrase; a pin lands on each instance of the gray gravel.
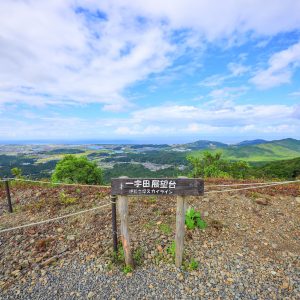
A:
(211, 281)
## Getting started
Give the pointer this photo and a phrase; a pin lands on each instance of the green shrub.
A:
(172, 249)
(137, 256)
(66, 200)
(211, 165)
(193, 265)
(17, 172)
(193, 219)
(72, 169)
(165, 228)
(127, 269)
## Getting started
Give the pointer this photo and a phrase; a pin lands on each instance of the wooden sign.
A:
(157, 186)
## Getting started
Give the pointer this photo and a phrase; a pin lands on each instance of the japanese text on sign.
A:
(146, 186)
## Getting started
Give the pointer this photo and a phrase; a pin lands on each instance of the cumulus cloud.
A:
(225, 116)
(91, 51)
(280, 69)
(159, 121)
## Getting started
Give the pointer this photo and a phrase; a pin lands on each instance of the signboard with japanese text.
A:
(157, 186)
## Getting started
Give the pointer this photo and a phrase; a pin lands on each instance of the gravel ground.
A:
(211, 281)
(250, 250)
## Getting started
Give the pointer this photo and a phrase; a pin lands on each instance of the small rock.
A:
(262, 201)
(274, 246)
(38, 259)
(273, 273)
(59, 230)
(286, 284)
(180, 277)
(24, 263)
(62, 249)
(71, 237)
(15, 273)
(205, 214)
(90, 295)
(229, 280)
(297, 199)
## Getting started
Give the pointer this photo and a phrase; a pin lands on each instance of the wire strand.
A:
(253, 183)
(54, 219)
(57, 183)
(248, 188)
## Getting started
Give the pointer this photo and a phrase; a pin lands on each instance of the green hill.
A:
(204, 144)
(284, 169)
(269, 151)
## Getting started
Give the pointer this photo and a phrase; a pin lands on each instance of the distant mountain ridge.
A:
(204, 144)
(251, 142)
(252, 151)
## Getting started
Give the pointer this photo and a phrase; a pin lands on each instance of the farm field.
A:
(250, 249)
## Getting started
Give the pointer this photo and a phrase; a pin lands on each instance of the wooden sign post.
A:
(181, 187)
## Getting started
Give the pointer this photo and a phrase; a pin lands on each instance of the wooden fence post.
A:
(123, 212)
(9, 204)
(180, 222)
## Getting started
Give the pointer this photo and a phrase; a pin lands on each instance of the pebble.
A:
(262, 201)
(230, 265)
(90, 295)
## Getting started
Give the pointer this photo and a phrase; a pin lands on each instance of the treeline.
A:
(283, 169)
(137, 170)
(63, 151)
(207, 165)
(212, 165)
(28, 166)
(156, 157)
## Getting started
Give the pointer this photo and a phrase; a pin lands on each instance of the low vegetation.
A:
(72, 169)
(193, 219)
(212, 165)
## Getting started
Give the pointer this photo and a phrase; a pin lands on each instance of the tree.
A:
(212, 165)
(72, 169)
(205, 165)
(17, 172)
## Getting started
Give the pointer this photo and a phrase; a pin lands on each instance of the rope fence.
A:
(253, 183)
(55, 183)
(54, 219)
(254, 186)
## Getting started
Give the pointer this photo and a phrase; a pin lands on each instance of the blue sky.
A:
(149, 71)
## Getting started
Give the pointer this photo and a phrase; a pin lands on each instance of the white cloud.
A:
(295, 94)
(66, 57)
(280, 69)
(229, 116)
(160, 122)
(213, 80)
(49, 49)
(215, 20)
(237, 69)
